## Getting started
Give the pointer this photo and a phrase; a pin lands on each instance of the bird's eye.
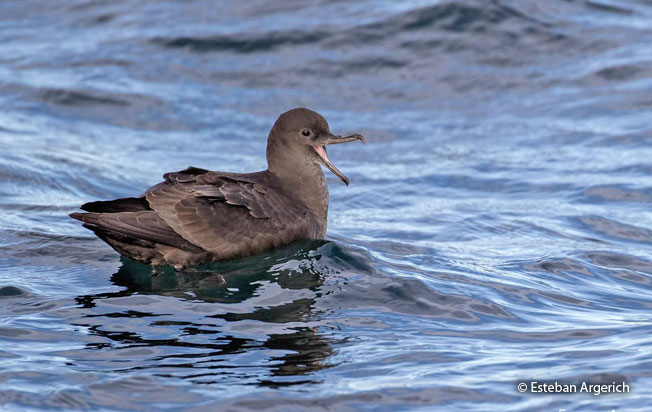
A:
(305, 132)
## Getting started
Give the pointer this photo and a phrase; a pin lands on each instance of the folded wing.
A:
(227, 214)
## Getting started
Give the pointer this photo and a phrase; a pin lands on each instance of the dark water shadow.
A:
(224, 325)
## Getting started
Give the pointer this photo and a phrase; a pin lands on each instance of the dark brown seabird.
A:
(198, 216)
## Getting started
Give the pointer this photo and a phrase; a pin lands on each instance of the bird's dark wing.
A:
(125, 204)
(228, 214)
(145, 225)
(132, 217)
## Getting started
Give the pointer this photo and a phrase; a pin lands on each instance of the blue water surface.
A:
(497, 229)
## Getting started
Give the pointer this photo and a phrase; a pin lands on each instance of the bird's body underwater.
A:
(197, 216)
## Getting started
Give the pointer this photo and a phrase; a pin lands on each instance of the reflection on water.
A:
(266, 301)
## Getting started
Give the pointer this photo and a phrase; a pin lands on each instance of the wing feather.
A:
(227, 214)
(146, 225)
(125, 204)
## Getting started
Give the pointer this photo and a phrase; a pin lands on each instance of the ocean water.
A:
(497, 229)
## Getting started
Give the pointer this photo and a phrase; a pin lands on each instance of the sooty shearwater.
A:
(198, 216)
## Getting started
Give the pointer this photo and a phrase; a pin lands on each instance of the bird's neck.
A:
(307, 186)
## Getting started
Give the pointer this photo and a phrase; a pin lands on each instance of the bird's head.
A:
(299, 137)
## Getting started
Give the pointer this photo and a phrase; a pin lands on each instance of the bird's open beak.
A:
(320, 147)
